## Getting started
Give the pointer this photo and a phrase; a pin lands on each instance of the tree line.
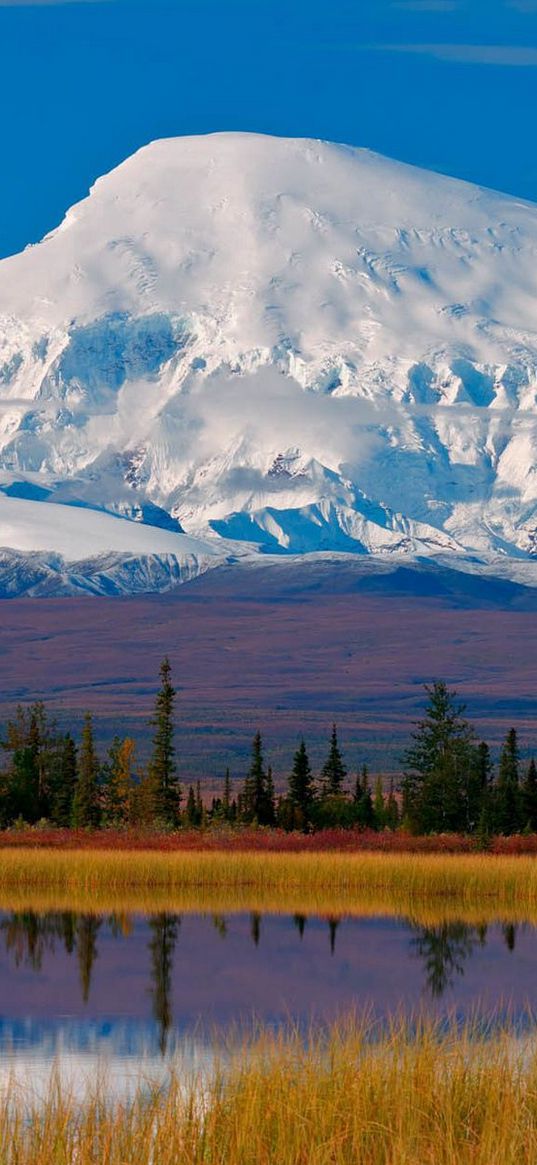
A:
(48, 777)
(448, 784)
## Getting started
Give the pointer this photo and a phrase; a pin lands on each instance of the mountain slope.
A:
(289, 345)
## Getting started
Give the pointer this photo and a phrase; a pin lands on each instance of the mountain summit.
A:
(241, 344)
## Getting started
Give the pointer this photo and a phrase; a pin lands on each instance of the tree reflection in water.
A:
(255, 927)
(29, 935)
(509, 932)
(87, 929)
(300, 921)
(445, 950)
(164, 930)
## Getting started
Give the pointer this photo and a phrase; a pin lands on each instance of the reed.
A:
(400, 878)
(404, 1097)
(427, 889)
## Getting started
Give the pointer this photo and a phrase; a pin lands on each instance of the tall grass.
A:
(400, 880)
(428, 889)
(343, 1099)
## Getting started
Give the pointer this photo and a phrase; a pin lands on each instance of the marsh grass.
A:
(405, 1095)
(471, 888)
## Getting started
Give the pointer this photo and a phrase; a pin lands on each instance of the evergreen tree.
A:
(22, 798)
(33, 744)
(529, 797)
(392, 809)
(42, 741)
(255, 799)
(301, 787)
(63, 783)
(226, 802)
(363, 801)
(167, 792)
(379, 806)
(484, 766)
(270, 800)
(437, 766)
(334, 772)
(191, 812)
(200, 809)
(479, 789)
(86, 808)
(508, 805)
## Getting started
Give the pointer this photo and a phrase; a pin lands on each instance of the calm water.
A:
(134, 988)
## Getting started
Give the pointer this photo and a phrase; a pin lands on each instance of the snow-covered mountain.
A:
(240, 344)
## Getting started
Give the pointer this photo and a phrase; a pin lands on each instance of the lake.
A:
(142, 989)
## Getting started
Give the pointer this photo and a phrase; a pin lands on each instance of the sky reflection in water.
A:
(138, 991)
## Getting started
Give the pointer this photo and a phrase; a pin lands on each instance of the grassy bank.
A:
(325, 883)
(425, 1099)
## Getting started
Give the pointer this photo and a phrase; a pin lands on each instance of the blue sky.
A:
(447, 84)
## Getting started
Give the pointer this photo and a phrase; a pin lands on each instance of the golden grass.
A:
(405, 1099)
(473, 888)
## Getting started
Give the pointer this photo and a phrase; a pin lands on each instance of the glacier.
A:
(242, 346)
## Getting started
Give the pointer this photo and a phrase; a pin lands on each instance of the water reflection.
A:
(28, 936)
(509, 933)
(146, 981)
(444, 951)
(164, 931)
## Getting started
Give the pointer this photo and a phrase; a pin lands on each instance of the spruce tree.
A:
(508, 806)
(334, 772)
(363, 801)
(200, 809)
(226, 802)
(86, 809)
(301, 787)
(41, 740)
(529, 798)
(33, 742)
(63, 783)
(392, 809)
(191, 812)
(379, 806)
(255, 806)
(167, 792)
(479, 794)
(270, 800)
(437, 765)
(23, 786)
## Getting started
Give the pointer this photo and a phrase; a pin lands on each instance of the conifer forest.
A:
(448, 782)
